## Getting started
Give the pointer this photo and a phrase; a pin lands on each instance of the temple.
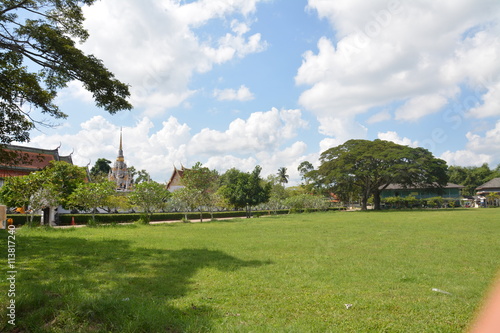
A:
(21, 160)
(119, 173)
(175, 181)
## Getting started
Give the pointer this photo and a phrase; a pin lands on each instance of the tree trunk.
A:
(376, 200)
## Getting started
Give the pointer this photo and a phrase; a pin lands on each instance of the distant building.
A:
(486, 193)
(493, 186)
(175, 181)
(451, 191)
(28, 160)
(119, 173)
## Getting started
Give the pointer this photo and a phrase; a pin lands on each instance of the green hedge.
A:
(65, 219)
(20, 219)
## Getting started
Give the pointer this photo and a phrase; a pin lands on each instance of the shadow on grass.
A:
(76, 285)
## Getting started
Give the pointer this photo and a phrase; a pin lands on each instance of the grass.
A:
(281, 274)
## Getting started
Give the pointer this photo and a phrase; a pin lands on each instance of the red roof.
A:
(29, 160)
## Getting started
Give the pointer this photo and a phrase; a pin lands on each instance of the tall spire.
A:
(120, 150)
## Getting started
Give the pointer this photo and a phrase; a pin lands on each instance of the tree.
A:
(200, 184)
(100, 170)
(45, 188)
(306, 201)
(43, 34)
(63, 178)
(90, 196)
(149, 196)
(277, 193)
(282, 176)
(244, 190)
(371, 166)
(22, 191)
(472, 177)
(311, 177)
(142, 176)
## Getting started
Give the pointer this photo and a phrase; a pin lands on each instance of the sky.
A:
(240, 83)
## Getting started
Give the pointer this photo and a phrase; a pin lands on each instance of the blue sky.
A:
(236, 83)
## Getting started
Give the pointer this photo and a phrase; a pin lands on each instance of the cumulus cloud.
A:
(420, 106)
(379, 117)
(154, 47)
(264, 138)
(479, 149)
(394, 137)
(242, 94)
(465, 158)
(420, 53)
(261, 131)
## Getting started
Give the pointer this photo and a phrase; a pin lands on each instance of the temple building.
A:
(175, 181)
(25, 160)
(119, 173)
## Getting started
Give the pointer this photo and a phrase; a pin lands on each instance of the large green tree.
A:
(63, 178)
(39, 56)
(90, 196)
(370, 166)
(243, 189)
(149, 196)
(100, 170)
(200, 186)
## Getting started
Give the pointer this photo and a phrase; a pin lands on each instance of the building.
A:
(175, 181)
(25, 160)
(492, 186)
(488, 193)
(119, 173)
(451, 191)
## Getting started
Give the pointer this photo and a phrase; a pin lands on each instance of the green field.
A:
(290, 273)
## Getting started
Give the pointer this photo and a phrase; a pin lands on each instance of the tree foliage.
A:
(150, 196)
(90, 196)
(243, 189)
(371, 166)
(283, 176)
(200, 186)
(472, 177)
(63, 178)
(101, 169)
(39, 56)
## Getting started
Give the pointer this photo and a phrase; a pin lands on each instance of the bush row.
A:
(412, 202)
(67, 219)
(20, 219)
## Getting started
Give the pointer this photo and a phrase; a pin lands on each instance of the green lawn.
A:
(273, 274)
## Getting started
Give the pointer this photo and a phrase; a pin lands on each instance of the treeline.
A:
(472, 177)
(204, 191)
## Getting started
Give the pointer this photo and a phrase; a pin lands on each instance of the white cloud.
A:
(242, 94)
(385, 52)
(261, 131)
(420, 106)
(488, 144)
(264, 138)
(379, 117)
(490, 104)
(465, 158)
(479, 149)
(394, 137)
(154, 47)
(342, 128)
